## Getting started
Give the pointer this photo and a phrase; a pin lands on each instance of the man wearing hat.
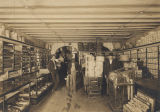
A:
(111, 63)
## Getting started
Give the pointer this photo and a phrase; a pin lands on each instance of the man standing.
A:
(52, 67)
(111, 63)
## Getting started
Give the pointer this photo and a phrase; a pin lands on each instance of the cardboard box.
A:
(7, 33)
(2, 30)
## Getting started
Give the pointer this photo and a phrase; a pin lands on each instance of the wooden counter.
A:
(151, 88)
(153, 85)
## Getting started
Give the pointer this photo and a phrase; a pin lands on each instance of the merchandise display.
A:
(1, 56)
(40, 86)
(19, 69)
(120, 85)
(25, 59)
(140, 103)
(17, 57)
(21, 104)
(8, 56)
(33, 59)
(19, 101)
(121, 76)
(2, 30)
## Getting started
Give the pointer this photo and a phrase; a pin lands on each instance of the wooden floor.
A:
(59, 101)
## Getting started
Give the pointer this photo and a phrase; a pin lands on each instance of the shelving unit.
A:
(1, 56)
(128, 53)
(40, 87)
(141, 54)
(8, 56)
(25, 59)
(149, 54)
(38, 58)
(134, 56)
(18, 70)
(15, 100)
(152, 61)
(18, 57)
(18, 100)
(33, 59)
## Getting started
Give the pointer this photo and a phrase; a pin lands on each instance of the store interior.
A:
(79, 56)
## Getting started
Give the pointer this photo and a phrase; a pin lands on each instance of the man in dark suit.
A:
(111, 63)
(52, 67)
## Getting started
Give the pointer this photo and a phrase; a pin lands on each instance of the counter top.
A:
(149, 84)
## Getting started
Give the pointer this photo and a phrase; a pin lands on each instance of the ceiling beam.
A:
(64, 39)
(84, 40)
(66, 6)
(81, 36)
(109, 16)
(102, 27)
(90, 30)
(79, 10)
(101, 23)
(86, 24)
(59, 21)
(82, 33)
(104, 6)
(64, 12)
(79, 28)
(86, 35)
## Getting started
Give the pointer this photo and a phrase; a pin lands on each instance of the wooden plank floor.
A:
(59, 101)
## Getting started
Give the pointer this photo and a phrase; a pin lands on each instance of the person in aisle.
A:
(69, 62)
(74, 72)
(145, 71)
(111, 63)
(63, 68)
(52, 67)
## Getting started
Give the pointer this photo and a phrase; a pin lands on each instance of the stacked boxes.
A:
(25, 59)
(151, 37)
(1, 56)
(8, 56)
(142, 55)
(99, 48)
(127, 53)
(90, 65)
(93, 74)
(7, 33)
(134, 56)
(91, 46)
(38, 58)
(2, 30)
(33, 60)
(17, 57)
(99, 66)
(140, 103)
(14, 35)
(80, 46)
(152, 61)
(94, 67)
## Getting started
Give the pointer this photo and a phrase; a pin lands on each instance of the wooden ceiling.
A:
(80, 20)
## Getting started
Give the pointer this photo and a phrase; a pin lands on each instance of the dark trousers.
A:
(55, 78)
(104, 86)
